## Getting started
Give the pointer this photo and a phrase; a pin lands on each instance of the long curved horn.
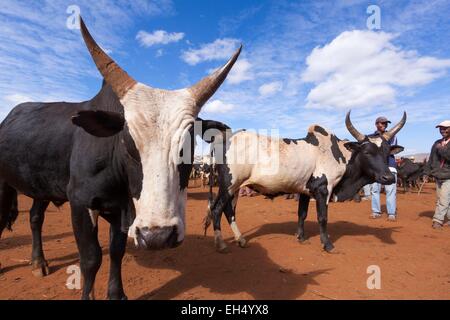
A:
(355, 133)
(388, 135)
(205, 88)
(119, 80)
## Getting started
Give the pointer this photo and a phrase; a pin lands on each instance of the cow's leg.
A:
(86, 236)
(216, 212)
(38, 262)
(230, 214)
(322, 217)
(303, 204)
(117, 246)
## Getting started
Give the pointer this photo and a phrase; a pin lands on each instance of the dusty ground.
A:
(414, 259)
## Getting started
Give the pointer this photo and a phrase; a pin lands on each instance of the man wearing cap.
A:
(391, 190)
(438, 166)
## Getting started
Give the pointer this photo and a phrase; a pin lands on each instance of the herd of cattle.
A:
(205, 173)
(120, 156)
(411, 174)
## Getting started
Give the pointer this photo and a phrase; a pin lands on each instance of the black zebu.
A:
(39, 264)
(126, 162)
(410, 172)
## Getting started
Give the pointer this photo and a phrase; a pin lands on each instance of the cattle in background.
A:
(317, 166)
(205, 174)
(195, 173)
(410, 173)
(196, 170)
(202, 172)
(126, 159)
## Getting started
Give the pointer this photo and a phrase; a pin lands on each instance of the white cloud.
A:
(218, 106)
(16, 98)
(241, 72)
(365, 69)
(220, 49)
(42, 60)
(269, 89)
(147, 39)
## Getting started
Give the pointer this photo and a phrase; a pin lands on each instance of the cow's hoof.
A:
(242, 242)
(118, 297)
(303, 240)
(223, 250)
(328, 248)
(40, 269)
(221, 247)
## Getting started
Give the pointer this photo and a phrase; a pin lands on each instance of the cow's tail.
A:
(9, 211)
(13, 213)
(211, 202)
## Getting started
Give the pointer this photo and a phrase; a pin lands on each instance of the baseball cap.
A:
(382, 119)
(445, 123)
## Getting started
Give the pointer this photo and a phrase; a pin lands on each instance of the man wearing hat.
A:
(381, 124)
(438, 166)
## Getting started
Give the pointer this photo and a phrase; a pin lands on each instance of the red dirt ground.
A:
(414, 259)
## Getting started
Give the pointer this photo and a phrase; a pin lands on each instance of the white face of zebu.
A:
(158, 122)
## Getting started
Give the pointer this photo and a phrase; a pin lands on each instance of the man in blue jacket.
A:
(391, 190)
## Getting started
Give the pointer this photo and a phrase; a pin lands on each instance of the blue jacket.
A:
(391, 158)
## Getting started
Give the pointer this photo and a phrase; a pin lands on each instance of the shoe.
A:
(375, 216)
(392, 217)
(365, 198)
(436, 225)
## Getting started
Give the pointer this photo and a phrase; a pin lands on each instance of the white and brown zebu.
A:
(317, 166)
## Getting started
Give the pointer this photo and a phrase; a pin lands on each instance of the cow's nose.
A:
(387, 178)
(157, 237)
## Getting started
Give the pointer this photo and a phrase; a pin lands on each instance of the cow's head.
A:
(372, 152)
(158, 121)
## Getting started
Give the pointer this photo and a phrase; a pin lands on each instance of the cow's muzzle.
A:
(157, 238)
(387, 178)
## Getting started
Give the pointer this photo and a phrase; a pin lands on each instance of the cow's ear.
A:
(214, 126)
(211, 124)
(396, 149)
(352, 146)
(99, 123)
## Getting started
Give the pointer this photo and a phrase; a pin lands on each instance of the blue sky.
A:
(303, 62)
